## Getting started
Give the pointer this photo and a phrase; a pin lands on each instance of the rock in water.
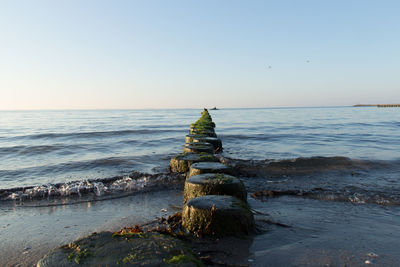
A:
(209, 167)
(189, 137)
(216, 142)
(199, 148)
(217, 215)
(106, 249)
(206, 132)
(182, 163)
(214, 184)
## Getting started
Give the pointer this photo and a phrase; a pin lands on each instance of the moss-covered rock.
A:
(204, 124)
(209, 167)
(199, 148)
(214, 184)
(205, 132)
(106, 249)
(182, 163)
(216, 142)
(217, 215)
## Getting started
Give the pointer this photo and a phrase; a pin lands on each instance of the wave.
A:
(355, 196)
(303, 165)
(322, 178)
(94, 134)
(41, 149)
(135, 182)
(26, 150)
(44, 170)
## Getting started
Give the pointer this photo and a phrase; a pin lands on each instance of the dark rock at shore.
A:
(214, 184)
(135, 249)
(217, 215)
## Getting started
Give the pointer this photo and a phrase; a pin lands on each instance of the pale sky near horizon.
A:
(90, 54)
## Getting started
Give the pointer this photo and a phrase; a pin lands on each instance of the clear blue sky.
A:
(76, 54)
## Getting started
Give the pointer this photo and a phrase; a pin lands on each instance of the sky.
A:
(92, 54)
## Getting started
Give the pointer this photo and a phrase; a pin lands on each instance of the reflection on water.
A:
(326, 234)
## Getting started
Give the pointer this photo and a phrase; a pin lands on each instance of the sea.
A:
(49, 147)
(340, 155)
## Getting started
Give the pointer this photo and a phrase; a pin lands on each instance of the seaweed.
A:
(131, 232)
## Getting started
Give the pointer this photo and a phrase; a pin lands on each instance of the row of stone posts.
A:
(215, 201)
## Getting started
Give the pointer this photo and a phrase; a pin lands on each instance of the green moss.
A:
(131, 258)
(71, 256)
(206, 157)
(78, 255)
(204, 122)
(179, 259)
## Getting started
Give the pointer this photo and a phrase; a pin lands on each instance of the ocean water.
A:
(49, 147)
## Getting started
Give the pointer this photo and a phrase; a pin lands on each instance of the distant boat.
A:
(214, 108)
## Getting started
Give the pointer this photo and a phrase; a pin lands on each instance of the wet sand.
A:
(324, 233)
(28, 233)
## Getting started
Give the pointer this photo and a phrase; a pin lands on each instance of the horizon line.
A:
(105, 109)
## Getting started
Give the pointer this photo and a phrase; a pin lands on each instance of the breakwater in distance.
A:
(378, 105)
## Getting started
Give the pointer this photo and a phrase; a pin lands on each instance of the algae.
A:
(182, 258)
(131, 258)
(206, 157)
(78, 255)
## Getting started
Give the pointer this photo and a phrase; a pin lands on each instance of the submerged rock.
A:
(108, 249)
(209, 167)
(182, 163)
(217, 215)
(214, 184)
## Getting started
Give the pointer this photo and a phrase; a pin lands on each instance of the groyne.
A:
(215, 200)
